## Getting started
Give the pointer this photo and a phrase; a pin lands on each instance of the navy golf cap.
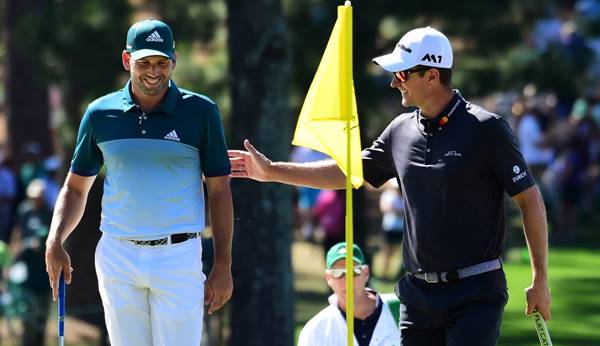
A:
(150, 37)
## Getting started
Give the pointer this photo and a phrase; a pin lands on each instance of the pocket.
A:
(494, 287)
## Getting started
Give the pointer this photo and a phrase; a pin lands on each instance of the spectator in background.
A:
(8, 197)
(307, 197)
(34, 216)
(374, 324)
(51, 166)
(330, 212)
(33, 166)
(391, 205)
(531, 137)
(29, 269)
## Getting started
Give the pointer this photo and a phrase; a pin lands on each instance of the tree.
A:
(262, 309)
(26, 90)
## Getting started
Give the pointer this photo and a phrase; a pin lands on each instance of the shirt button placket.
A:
(142, 117)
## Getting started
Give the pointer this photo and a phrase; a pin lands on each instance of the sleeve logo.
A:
(519, 175)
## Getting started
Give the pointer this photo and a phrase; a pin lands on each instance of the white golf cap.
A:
(422, 46)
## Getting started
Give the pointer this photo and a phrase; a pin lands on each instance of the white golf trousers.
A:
(152, 295)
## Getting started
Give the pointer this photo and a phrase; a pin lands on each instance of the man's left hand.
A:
(218, 288)
(538, 298)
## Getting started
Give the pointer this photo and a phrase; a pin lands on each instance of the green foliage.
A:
(490, 41)
(194, 20)
(200, 34)
(82, 53)
(77, 37)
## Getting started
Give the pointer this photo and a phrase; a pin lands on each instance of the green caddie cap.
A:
(150, 37)
(338, 252)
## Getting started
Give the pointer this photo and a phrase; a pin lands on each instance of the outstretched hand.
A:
(249, 164)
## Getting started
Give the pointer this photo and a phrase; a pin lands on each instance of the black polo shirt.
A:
(453, 171)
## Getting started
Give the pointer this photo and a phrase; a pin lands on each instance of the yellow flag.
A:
(330, 103)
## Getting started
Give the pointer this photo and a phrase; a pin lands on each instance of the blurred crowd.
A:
(320, 217)
(563, 152)
(27, 197)
(559, 131)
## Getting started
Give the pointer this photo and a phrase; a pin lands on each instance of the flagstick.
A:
(349, 243)
(347, 111)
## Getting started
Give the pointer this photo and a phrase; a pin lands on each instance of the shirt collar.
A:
(446, 113)
(167, 106)
(333, 300)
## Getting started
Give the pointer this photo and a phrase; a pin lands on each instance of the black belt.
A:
(170, 239)
(437, 277)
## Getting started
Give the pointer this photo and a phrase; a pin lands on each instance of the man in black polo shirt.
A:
(453, 162)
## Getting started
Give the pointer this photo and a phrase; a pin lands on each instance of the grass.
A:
(574, 280)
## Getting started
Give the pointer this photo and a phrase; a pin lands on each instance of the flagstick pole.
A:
(349, 243)
(349, 213)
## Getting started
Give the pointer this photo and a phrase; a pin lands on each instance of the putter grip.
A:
(61, 305)
(542, 329)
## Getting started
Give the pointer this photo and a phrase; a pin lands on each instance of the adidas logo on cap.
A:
(154, 37)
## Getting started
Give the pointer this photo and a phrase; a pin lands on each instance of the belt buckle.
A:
(432, 278)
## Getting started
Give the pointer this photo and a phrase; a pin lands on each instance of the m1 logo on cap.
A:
(432, 58)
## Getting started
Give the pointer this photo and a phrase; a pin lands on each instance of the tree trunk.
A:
(262, 309)
(26, 89)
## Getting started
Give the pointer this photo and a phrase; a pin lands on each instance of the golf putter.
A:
(541, 329)
(61, 310)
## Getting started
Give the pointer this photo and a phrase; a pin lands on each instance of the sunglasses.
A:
(339, 273)
(403, 75)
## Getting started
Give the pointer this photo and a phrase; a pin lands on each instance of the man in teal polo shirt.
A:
(157, 141)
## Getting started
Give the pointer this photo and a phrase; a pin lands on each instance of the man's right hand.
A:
(249, 164)
(57, 260)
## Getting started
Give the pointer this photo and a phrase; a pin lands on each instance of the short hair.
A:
(445, 74)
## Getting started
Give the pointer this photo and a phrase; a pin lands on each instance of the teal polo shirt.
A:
(154, 161)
